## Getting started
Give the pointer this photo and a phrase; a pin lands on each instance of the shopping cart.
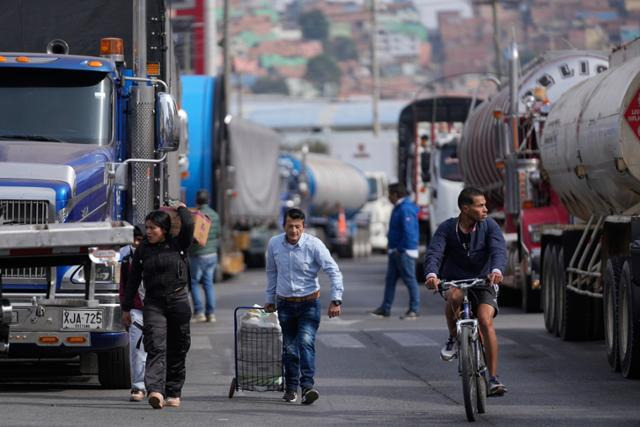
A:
(258, 351)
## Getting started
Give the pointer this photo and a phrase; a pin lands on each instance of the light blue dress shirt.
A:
(292, 270)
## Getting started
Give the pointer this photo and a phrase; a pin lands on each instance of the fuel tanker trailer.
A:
(591, 154)
(500, 154)
(332, 193)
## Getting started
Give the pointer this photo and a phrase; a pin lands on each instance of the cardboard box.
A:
(202, 224)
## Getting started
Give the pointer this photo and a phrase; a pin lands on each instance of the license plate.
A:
(82, 319)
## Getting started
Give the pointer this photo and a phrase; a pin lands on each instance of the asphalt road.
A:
(370, 371)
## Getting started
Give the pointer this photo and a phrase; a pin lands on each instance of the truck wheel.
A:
(629, 324)
(610, 305)
(114, 369)
(548, 288)
(574, 310)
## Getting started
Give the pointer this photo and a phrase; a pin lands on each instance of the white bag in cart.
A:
(259, 351)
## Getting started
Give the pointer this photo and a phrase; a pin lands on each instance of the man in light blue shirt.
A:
(293, 262)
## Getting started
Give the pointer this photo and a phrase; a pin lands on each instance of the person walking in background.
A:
(161, 261)
(203, 263)
(294, 259)
(137, 354)
(403, 252)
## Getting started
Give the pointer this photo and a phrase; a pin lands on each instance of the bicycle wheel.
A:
(468, 370)
(482, 378)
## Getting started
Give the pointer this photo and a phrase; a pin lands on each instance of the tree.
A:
(270, 85)
(343, 48)
(314, 25)
(322, 70)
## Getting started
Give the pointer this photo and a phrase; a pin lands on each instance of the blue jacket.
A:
(403, 226)
(449, 260)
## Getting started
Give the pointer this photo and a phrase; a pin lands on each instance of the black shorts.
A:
(484, 295)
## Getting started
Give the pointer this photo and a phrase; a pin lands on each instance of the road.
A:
(370, 371)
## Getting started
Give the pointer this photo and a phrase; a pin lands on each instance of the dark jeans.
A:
(401, 265)
(167, 340)
(299, 322)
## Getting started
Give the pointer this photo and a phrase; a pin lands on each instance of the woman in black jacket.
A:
(162, 262)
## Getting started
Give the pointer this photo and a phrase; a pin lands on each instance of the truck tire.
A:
(574, 310)
(548, 288)
(114, 369)
(629, 324)
(610, 283)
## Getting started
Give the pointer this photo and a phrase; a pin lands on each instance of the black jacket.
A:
(163, 266)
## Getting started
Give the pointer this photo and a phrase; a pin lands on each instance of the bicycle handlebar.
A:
(461, 284)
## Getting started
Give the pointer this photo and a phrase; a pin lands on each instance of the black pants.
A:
(167, 340)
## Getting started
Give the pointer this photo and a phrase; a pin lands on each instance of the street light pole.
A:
(375, 70)
(496, 32)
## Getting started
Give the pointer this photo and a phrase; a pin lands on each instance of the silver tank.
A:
(557, 71)
(336, 184)
(590, 151)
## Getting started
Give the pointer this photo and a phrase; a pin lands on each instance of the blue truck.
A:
(89, 137)
(247, 199)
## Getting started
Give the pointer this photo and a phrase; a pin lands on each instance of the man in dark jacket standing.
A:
(467, 247)
(403, 252)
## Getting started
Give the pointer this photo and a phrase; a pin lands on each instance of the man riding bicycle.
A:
(466, 247)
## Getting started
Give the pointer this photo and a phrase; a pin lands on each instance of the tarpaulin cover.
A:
(254, 154)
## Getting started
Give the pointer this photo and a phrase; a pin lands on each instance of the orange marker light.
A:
(22, 59)
(153, 68)
(3, 59)
(48, 340)
(76, 340)
(111, 46)
(94, 64)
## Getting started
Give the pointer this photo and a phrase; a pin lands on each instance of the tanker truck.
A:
(88, 133)
(500, 154)
(590, 151)
(332, 193)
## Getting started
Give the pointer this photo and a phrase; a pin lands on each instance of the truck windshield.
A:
(450, 163)
(55, 105)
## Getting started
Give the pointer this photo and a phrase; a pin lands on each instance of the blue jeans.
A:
(203, 268)
(401, 265)
(299, 322)
(137, 355)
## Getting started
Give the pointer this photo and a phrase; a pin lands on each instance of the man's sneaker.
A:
(380, 312)
(156, 400)
(199, 318)
(496, 388)
(410, 315)
(173, 402)
(290, 396)
(309, 396)
(211, 318)
(450, 350)
(137, 395)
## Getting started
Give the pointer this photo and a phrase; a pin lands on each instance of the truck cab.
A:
(84, 139)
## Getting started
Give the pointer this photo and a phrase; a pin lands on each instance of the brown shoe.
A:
(156, 400)
(174, 402)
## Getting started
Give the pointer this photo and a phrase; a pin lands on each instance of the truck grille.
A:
(24, 212)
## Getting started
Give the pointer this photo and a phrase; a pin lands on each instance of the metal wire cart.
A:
(258, 351)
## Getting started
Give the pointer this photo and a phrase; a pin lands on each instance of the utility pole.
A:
(210, 39)
(375, 69)
(496, 32)
(221, 190)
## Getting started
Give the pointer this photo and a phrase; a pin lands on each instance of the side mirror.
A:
(167, 123)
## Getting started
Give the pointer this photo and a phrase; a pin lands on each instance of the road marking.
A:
(409, 339)
(201, 342)
(340, 341)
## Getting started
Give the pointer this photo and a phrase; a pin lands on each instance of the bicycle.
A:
(472, 364)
